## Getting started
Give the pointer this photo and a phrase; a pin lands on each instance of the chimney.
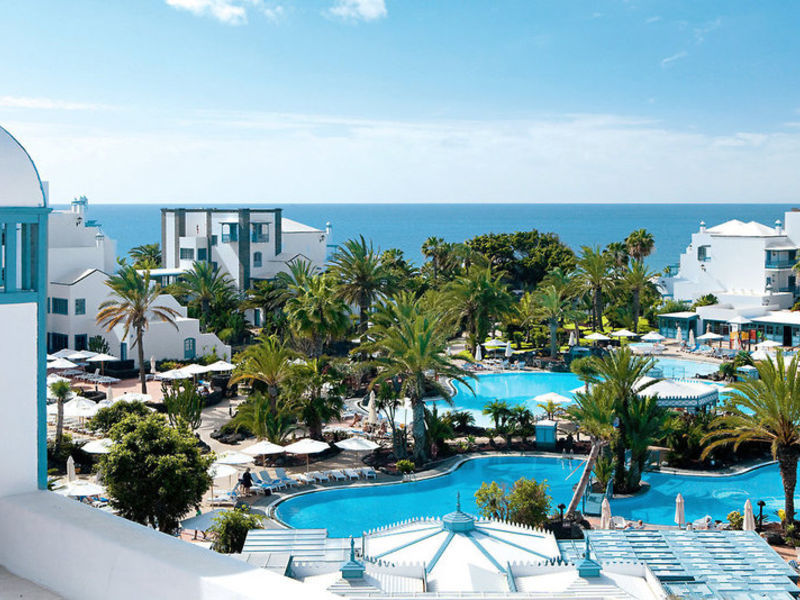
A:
(778, 228)
(702, 226)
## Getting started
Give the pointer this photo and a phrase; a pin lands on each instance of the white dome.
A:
(19, 180)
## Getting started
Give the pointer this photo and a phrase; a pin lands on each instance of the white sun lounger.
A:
(319, 476)
(352, 474)
(368, 472)
(337, 475)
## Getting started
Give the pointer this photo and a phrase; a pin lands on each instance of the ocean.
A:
(406, 226)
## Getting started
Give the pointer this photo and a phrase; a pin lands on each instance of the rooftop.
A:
(736, 228)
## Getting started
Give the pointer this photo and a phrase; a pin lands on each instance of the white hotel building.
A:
(80, 260)
(749, 268)
(248, 244)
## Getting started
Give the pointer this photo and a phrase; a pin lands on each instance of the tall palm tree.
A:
(618, 254)
(265, 420)
(133, 304)
(317, 390)
(475, 301)
(61, 391)
(635, 280)
(269, 297)
(766, 409)
(551, 409)
(594, 411)
(552, 307)
(411, 351)
(435, 249)
(621, 373)
(595, 270)
(498, 411)
(645, 423)
(360, 276)
(267, 362)
(640, 244)
(316, 312)
(205, 283)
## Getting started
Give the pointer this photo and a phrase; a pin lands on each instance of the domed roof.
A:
(19, 180)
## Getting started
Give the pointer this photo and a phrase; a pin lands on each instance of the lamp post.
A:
(761, 505)
(561, 507)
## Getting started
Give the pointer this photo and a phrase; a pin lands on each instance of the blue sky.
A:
(171, 101)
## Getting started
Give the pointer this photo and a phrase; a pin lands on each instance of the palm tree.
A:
(269, 297)
(475, 301)
(410, 343)
(146, 256)
(640, 244)
(317, 389)
(551, 306)
(522, 417)
(498, 411)
(621, 373)
(618, 253)
(766, 409)
(205, 283)
(316, 313)
(133, 305)
(264, 420)
(440, 429)
(595, 270)
(436, 249)
(594, 411)
(636, 280)
(267, 362)
(551, 409)
(61, 391)
(461, 419)
(645, 423)
(360, 276)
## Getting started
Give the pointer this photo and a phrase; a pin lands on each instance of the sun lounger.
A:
(618, 522)
(319, 476)
(275, 484)
(368, 472)
(226, 498)
(352, 474)
(280, 475)
(337, 475)
(302, 478)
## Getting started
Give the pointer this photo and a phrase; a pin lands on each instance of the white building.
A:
(48, 540)
(248, 244)
(80, 260)
(748, 267)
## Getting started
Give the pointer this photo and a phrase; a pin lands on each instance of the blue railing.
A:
(779, 263)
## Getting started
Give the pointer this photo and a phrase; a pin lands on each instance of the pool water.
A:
(350, 511)
(678, 368)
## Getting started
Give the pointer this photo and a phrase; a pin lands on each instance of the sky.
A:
(293, 101)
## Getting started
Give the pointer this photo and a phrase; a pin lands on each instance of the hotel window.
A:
(60, 306)
(58, 341)
(80, 307)
(213, 240)
(259, 233)
(257, 259)
(187, 253)
(229, 232)
(82, 342)
(189, 348)
(202, 254)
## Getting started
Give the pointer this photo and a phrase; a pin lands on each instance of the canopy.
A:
(653, 336)
(605, 514)
(372, 408)
(578, 390)
(495, 344)
(552, 397)
(680, 516)
(220, 365)
(679, 334)
(81, 489)
(710, 337)
(357, 444)
(233, 458)
(52, 378)
(218, 471)
(80, 407)
(761, 355)
(194, 369)
(174, 374)
(98, 446)
(478, 354)
(768, 344)
(134, 397)
(61, 363)
(263, 447)
(597, 337)
(306, 446)
(509, 350)
(101, 358)
(623, 333)
(202, 522)
(63, 353)
(81, 355)
(749, 523)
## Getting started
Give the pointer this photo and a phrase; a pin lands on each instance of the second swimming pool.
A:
(350, 511)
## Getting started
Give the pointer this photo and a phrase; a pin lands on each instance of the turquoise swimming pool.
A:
(350, 511)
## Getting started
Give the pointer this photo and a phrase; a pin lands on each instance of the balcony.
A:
(780, 263)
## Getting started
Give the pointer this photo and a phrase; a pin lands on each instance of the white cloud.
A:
(230, 12)
(359, 10)
(46, 103)
(701, 32)
(273, 13)
(212, 157)
(654, 19)
(665, 62)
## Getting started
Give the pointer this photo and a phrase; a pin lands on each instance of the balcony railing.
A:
(780, 263)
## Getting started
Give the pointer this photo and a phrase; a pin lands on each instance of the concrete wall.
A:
(18, 392)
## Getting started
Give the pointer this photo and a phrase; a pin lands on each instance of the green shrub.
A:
(528, 502)
(405, 466)
(735, 519)
(230, 529)
(109, 416)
